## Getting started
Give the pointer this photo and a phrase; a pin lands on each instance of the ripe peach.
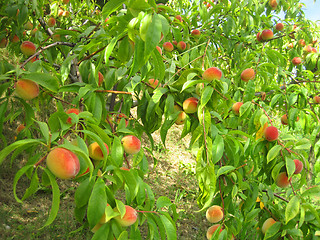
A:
(190, 105)
(154, 83)
(168, 46)
(236, 108)
(307, 49)
(279, 27)
(131, 144)
(51, 21)
(159, 50)
(301, 43)
(72, 110)
(60, 12)
(247, 74)
(314, 50)
(95, 151)
(101, 78)
(14, 38)
(282, 180)
(195, 33)
(174, 42)
(316, 99)
(33, 32)
(296, 61)
(63, 163)
(181, 117)
(178, 17)
(266, 34)
(273, 4)
(212, 229)
(214, 214)
(27, 89)
(28, 26)
(129, 218)
(259, 39)
(271, 133)
(119, 116)
(267, 224)
(290, 45)
(28, 48)
(20, 128)
(299, 166)
(211, 74)
(3, 42)
(181, 46)
(284, 119)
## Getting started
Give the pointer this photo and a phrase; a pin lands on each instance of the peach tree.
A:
(240, 76)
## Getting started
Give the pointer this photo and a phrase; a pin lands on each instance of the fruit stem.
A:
(263, 111)
(113, 91)
(125, 157)
(40, 161)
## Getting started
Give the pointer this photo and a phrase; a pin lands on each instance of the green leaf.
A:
(44, 130)
(292, 208)
(65, 67)
(18, 175)
(274, 229)
(163, 201)
(290, 166)
(303, 144)
(55, 198)
(312, 192)
(83, 192)
(102, 233)
(34, 186)
(158, 93)
(224, 170)
(217, 149)
(109, 49)
(43, 79)
(111, 6)
(249, 92)
(152, 36)
(117, 151)
(273, 153)
(169, 227)
(206, 96)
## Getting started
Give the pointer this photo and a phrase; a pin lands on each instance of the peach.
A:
(181, 46)
(27, 89)
(14, 38)
(212, 229)
(20, 128)
(95, 151)
(125, 169)
(159, 50)
(63, 163)
(284, 119)
(101, 78)
(131, 144)
(181, 117)
(247, 74)
(28, 26)
(296, 61)
(178, 17)
(199, 88)
(279, 27)
(267, 224)
(60, 12)
(301, 43)
(129, 218)
(167, 46)
(290, 45)
(195, 33)
(314, 50)
(211, 74)
(307, 49)
(3, 42)
(273, 4)
(236, 108)
(282, 180)
(316, 99)
(28, 48)
(174, 42)
(33, 32)
(299, 166)
(271, 133)
(154, 83)
(190, 105)
(121, 115)
(72, 110)
(56, 37)
(259, 39)
(51, 22)
(214, 214)
(266, 34)
(65, 1)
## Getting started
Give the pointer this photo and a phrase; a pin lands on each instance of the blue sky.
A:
(312, 9)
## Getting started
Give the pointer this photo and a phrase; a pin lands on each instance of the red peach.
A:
(316, 99)
(195, 33)
(307, 49)
(129, 218)
(26, 89)
(271, 133)
(131, 144)
(214, 214)
(63, 163)
(284, 119)
(51, 21)
(296, 61)
(101, 78)
(95, 151)
(301, 43)
(168, 46)
(28, 26)
(299, 166)
(259, 39)
(279, 26)
(60, 12)
(28, 48)
(212, 229)
(181, 46)
(282, 180)
(174, 42)
(72, 110)
(190, 105)
(20, 128)
(266, 34)
(290, 45)
(211, 74)
(273, 4)
(119, 116)
(181, 117)
(314, 50)
(236, 107)
(14, 38)
(33, 32)
(154, 83)
(247, 74)
(178, 17)
(159, 50)
(3, 42)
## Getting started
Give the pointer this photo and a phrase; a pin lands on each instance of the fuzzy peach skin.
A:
(28, 48)
(212, 229)
(181, 45)
(279, 26)
(182, 115)
(63, 163)
(299, 166)
(168, 46)
(72, 110)
(131, 144)
(211, 74)
(20, 128)
(247, 74)
(214, 214)
(51, 22)
(154, 82)
(282, 180)
(267, 224)
(195, 33)
(271, 133)
(296, 61)
(26, 89)
(190, 105)
(266, 34)
(129, 218)
(95, 151)
(236, 108)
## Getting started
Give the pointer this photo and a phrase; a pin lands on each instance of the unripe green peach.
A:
(236, 108)
(72, 110)
(267, 224)
(199, 88)
(51, 22)
(26, 89)
(211, 74)
(271, 133)
(181, 46)
(214, 214)
(131, 144)
(28, 48)
(247, 74)
(266, 34)
(129, 218)
(63, 163)
(212, 229)
(95, 151)
(168, 46)
(190, 105)
(299, 166)
(282, 180)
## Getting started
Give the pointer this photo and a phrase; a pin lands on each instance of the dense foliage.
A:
(93, 74)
